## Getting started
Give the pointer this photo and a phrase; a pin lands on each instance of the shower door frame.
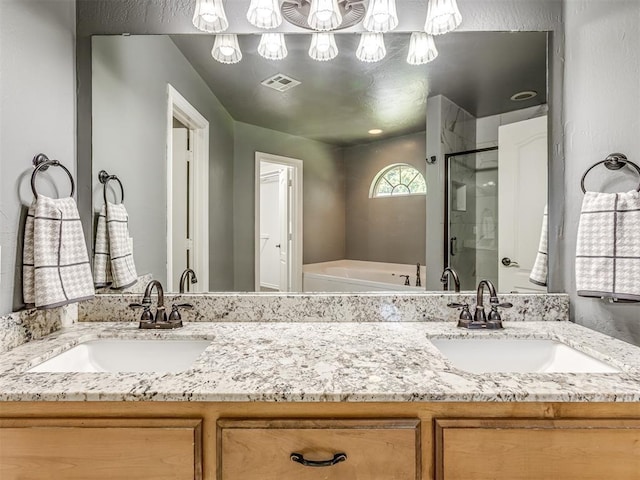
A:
(447, 157)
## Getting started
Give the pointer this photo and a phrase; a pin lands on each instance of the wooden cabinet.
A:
(98, 449)
(374, 449)
(527, 449)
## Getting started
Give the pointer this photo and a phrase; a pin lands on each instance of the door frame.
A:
(296, 215)
(187, 114)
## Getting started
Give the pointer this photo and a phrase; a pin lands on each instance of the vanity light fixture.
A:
(422, 49)
(209, 16)
(443, 16)
(323, 46)
(324, 15)
(381, 16)
(272, 46)
(264, 14)
(371, 47)
(226, 49)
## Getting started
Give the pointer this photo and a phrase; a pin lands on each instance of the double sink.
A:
(474, 355)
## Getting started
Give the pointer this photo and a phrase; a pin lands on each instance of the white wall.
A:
(37, 114)
(601, 115)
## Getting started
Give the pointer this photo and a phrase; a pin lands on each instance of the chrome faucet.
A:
(456, 279)
(185, 276)
(161, 320)
(479, 318)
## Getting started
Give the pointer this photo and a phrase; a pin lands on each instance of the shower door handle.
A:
(452, 246)
(507, 262)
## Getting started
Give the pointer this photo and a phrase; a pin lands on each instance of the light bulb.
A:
(272, 46)
(264, 14)
(226, 49)
(323, 46)
(371, 47)
(422, 49)
(209, 16)
(443, 16)
(324, 15)
(381, 16)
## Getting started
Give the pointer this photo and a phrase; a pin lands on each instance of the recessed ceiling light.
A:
(375, 131)
(524, 95)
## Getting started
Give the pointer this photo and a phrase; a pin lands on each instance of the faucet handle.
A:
(504, 305)
(465, 315)
(175, 316)
(406, 279)
(146, 314)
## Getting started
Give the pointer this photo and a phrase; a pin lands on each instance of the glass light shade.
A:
(272, 46)
(226, 49)
(264, 13)
(324, 15)
(323, 46)
(422, 49)
(381, 16)
(442, 16)
(371, 47)
(209, 16)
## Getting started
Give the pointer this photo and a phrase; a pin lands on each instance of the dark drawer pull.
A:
(337, 458)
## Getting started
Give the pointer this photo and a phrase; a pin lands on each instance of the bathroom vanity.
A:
(331, 400)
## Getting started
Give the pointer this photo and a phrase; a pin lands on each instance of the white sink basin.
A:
(161, 356)
(483, 355)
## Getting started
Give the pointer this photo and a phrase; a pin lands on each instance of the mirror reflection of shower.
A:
(471, 223)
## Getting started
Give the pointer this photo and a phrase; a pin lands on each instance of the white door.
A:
(270, 230)
(284, 206)
(180, 207)
(522, 196)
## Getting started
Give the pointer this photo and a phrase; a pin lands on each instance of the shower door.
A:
(471, 216)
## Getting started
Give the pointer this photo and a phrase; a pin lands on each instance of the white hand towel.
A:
(101, 259)
(608, 248)
(56, 267)
(113, 254)
(123, 269)
(540, 270)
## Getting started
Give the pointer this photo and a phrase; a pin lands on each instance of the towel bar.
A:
(104, 178)
(614, 161)
(41, 162)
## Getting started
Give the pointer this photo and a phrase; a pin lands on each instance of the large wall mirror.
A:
(340, 175)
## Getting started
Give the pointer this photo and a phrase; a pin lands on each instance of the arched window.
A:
(398, 179)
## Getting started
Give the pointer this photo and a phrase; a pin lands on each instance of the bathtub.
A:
(359, 276)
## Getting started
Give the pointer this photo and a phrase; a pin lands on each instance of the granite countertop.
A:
(322, 362)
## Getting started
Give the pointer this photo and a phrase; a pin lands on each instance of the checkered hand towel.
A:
(113, 255)
(608, 249)
(540, 268)
(56, 268)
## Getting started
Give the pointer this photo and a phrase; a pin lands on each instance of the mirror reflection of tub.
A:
(360, 276)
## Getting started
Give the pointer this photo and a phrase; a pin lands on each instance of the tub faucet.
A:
(418, 281)
(456, 279)
(185, 276)
(161, 320)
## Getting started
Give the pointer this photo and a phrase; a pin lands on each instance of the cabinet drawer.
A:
(97, 449)
(519, 449)
(375, 449)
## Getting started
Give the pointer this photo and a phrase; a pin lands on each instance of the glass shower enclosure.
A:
(471, 215)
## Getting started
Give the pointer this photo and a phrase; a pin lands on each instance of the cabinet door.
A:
(95, 449)
(373, 449)
(526, 449)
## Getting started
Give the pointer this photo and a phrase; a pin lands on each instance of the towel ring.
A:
(614, 161)
(104, 178)
(42, 162)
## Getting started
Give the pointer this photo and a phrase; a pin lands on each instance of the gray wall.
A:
(602, 115)
(130, 76)
(323, 196)
(37, 114)
(384, 229)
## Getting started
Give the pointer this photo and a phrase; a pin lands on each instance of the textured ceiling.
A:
(340, 100)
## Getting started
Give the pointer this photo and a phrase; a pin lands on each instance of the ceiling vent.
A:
(280, 82)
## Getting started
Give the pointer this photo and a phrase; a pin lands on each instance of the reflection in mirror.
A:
(298, 175)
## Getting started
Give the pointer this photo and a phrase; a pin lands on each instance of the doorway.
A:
(278, 226)
(187, 192)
